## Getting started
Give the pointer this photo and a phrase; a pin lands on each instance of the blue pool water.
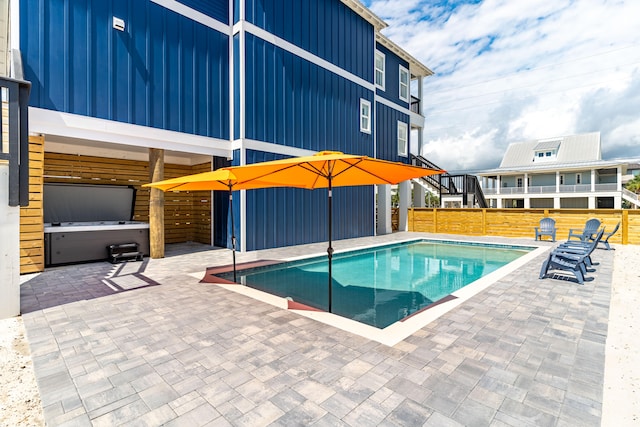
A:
(382, 285)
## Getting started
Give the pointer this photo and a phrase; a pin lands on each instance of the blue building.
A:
(225, 82)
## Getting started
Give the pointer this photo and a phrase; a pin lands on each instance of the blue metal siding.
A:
(326, 28)
(163, 71)
(290, 216)
(236, 87)
(387, 133)
(392, 77)
(216, 9)
(292, 102)
(236, 10)
(221, 224)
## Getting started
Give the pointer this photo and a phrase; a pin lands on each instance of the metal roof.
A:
(571, 149)
(548, 145)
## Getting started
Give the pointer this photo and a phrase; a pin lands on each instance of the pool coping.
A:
(396, 332)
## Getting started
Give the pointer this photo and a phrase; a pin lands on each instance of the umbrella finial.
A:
(327, 153)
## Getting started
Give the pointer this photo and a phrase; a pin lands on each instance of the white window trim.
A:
(375, 69)
(367, 129)
(400, 84)
(403, 125)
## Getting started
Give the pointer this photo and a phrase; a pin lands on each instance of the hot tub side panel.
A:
(83, 246)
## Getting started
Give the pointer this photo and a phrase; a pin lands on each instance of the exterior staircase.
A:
(631, 197)
(452, 187)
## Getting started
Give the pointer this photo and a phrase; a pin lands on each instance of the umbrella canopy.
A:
(221, 179)
(328, 169)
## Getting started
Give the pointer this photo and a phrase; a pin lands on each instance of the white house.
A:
(560, 172)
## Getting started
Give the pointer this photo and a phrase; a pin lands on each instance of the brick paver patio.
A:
(145, 343)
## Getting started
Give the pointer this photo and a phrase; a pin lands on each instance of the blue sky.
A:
(509, 71)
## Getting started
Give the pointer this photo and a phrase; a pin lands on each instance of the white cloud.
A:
(508, 71)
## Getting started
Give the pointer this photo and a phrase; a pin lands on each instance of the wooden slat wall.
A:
(179, 206)
(201, 213)
(31, 225)
(187, 214)
(521, 222)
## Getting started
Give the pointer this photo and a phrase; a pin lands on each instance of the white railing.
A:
(511, 190)
(631, 196)
(577, 188)
(542, 189)
(607, 187)
(548, 189)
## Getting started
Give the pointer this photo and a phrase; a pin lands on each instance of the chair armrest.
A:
(574, 232)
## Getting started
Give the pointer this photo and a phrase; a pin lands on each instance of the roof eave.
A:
(365, 13)
(416, 68)
(551, 168)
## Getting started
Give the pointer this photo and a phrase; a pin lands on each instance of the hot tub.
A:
(72, 242)
(81, 220)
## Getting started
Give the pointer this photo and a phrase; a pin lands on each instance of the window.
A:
(365, 116)
(561, 179)
(380, 58)
(578, 178)
(404, 84)
(403, 139)
(545, 155)
(519, 183)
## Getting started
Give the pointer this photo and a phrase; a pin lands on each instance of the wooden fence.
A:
(31, 223)
(521, 222)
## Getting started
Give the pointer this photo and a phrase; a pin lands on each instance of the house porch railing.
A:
(551, 189)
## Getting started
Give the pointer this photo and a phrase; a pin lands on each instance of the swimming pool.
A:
(382, 285)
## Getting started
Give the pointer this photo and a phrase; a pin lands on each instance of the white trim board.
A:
(68, 125)
(270, 147)
(193, 14)
(289, 47)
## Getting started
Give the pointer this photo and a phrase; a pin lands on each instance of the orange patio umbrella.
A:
(328, 169)
(220, 179)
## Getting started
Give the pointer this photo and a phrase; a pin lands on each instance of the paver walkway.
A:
(147, 344)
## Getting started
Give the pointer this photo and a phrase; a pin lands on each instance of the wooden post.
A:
(484, 222)
(156, 204)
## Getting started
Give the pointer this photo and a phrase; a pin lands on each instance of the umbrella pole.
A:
(330, 249)
(233, 235)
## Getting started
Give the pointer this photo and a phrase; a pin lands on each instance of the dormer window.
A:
(546, 151)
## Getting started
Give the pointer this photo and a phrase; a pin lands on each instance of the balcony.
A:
(415, 105)
(551, 189)
(417, 119)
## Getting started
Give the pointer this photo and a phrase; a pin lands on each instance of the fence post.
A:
(625, 227)
(435, 220)
(484, 222)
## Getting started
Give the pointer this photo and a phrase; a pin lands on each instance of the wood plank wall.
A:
(31, 225)
(521, 222)
(187, 214)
